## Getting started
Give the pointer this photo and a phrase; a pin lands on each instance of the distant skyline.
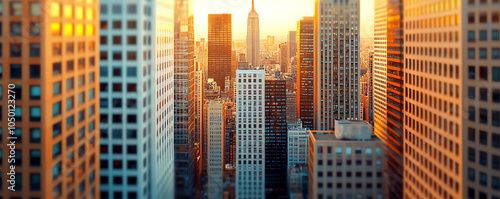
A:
(277, 17)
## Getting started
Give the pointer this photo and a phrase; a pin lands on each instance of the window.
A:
(117, 40)
(56, 49)
(483, 94)
(35, 114)
(471, 53)
(472, 154)
(103, 71)
(116, 9)
(483, 179)
(35, 135)
(472, 72)
(70, 84)
(495, 53)
(35, 9)
(16, 8)
(495, 35)
(35, 92)
(131, 40)
(35, 29)
(472, 113)
(471, 35)
(15, 29)
(482, 35)
(117, 87)
(495, 74)
(15, 71)
(81, 80)
(35, 158)
(70, 66)
(495, 162)
(56, 88)
(131, 55)
(131, 24)
(483, 116)
(471, 174)
(131, 103)
(495, 118)
(483, 137)
(117, 56)
(35, 50)
(483, 158)
(56, 130)
(56, 150)
(56, 68)
(131, 87)
(70, 121)
(472, 92)
(483, 54)
(35, 71)
(56, 109)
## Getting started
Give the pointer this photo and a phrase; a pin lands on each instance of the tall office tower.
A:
(137, 141)
(452, 93)
(253, 38)
(283, 57)
(219, 47)
(298, 142)
(291, 107)
(336, 66)
(388, 89)
(184, 134)
(250, 129)
(305, 71)
(215, 134)
(275, 137)
(242, 57)
(39, 96)
(346, 163)
(199, 101)
(292, 50)
(367, 90)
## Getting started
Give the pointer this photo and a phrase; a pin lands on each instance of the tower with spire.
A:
(253, 38)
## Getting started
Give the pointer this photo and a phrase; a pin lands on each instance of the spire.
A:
(253, 7)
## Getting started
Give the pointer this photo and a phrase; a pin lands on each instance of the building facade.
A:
(336, 66)
(275, 137)
(346, 163)
(250, 133)
(216, 135)
(292, 51)
(283, 57)
(49, 100)
(253, 38)
(184, 69)
(298, 144)
(219, 47)
(136, 121)
(305, 71)
(451, 100)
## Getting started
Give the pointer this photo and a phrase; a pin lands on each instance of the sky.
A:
(276, 17)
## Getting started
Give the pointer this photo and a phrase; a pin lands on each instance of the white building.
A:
(137, 124)
(215, 134)
(336, 66)
(253, 38)
(298, 141)
(250, 133)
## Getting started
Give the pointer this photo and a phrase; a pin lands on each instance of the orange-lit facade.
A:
(389, 90)
(305, 71)
(219, 47)
(50, 52)
(443, 157)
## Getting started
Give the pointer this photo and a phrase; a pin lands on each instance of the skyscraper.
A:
(215, 134)
(292, 50)
(253, 38)
(305, 71)
(275, 138)
(388, 89)
(49, 93)
(336, 66)
(452, 112)
(219, 47)
(283, 57)
(184, 98)
(250, 129)
(137, 142)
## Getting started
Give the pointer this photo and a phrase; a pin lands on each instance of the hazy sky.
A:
(276, 17)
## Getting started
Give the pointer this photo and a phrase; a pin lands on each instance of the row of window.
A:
(483, 35)
(483, 158)
(483, 116)
(483, 94)
(483, 53)
(483, 179)
(483, 137)
(483, 73)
